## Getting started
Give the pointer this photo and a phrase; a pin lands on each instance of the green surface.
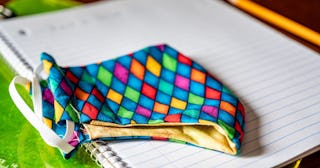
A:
(20, 143)
(27, 7)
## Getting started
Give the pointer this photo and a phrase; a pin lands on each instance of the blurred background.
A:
(305, 12)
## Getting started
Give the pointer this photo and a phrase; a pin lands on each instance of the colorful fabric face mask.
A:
(154, 93)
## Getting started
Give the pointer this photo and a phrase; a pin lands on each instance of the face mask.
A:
(155, 93)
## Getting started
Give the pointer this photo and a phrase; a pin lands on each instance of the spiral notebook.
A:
(276, 78)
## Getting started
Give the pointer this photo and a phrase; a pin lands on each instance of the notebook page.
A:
(277, 79)
(284, 122)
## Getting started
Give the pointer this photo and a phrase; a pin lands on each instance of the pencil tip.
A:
(232, 1)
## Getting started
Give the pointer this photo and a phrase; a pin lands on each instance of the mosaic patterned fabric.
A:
(151, 86)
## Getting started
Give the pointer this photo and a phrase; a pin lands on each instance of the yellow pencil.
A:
(297, 164)
(278, 20)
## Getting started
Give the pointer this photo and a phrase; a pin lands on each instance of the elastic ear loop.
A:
(49, 136)
(37, 101)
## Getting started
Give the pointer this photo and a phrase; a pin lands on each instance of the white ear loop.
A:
(35, 117)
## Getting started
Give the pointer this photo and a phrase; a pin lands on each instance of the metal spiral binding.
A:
(16, 52)
(103, 155)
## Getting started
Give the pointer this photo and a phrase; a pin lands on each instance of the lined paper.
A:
(277, 79)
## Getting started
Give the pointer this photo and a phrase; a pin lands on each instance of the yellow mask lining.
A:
(207, 135)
